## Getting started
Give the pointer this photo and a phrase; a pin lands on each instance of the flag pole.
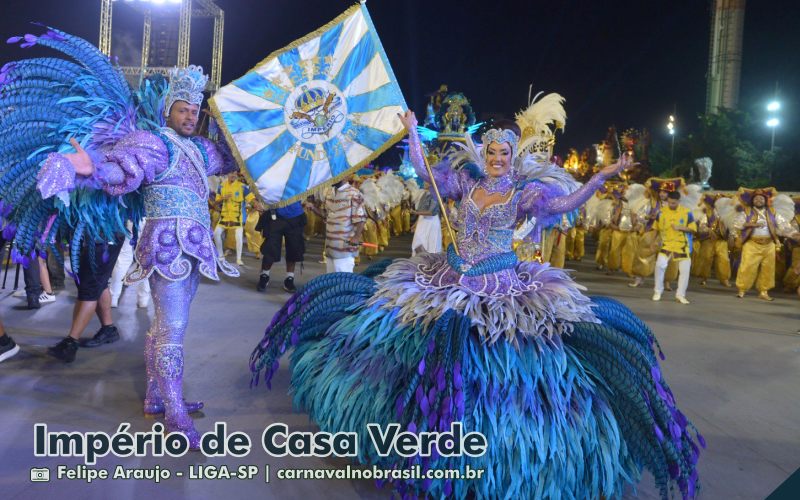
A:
(442, 206)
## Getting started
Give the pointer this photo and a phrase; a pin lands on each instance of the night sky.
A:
(623, 62)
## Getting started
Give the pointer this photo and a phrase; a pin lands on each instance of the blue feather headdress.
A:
(45, 102)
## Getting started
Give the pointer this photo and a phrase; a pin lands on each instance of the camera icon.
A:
(40, 474)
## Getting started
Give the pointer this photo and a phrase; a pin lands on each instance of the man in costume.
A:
(646, 203)
(712, 252)
(758, 225)
(233, 196)
(675, 225)
(171, 167)
(476, 336)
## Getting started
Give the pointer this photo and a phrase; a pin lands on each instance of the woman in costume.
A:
(566, 388)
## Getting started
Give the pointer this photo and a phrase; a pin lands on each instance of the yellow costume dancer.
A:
(675, 225)
(791, 280)
(616, 222)
(645, 206)
(558, 247)
(232, 196)
(758, 226)
(254, 238)
(712, 244)
(576, 237)
(372, 205)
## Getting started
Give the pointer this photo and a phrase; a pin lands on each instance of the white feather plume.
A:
(535, 121)
(784, 206)
(372, 194)
(726, 209)
(392, 189)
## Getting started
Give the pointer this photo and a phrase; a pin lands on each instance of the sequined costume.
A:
(170, 173)
(566, 388)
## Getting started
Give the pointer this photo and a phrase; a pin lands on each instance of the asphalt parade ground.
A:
(733, 365)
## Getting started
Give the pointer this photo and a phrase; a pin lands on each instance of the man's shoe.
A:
(33, 302)
(726, 283)
(667, 286)
(682, 300)
(105, 335)
(740, 294)
(20, 293)
(239, 263)
(8, 350)
(702, 282)
(263, 281)
(288, 285)
(656, 297)
(45, 298)
(64, 350)
(765, 296)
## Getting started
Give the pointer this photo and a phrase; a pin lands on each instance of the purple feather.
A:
(9, 231)
(440, 380)
(659, 434)
(426, 484)
(701, 440)
(655, 373)
(458, 380)
(448, 487)
(424, 406)
(399, 407)
(412, 427)
(661, 355)
(295, 338)
(431, 346)
(421, 367)
(673, 470)
(431, 420)
(674, 430)
(431, 396)
(14, 39)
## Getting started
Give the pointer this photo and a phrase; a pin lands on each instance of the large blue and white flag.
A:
(314, 111)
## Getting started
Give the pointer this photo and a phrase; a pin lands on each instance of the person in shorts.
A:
(282, 226)
(96, 265)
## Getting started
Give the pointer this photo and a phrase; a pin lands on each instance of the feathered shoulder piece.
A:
(45, 102)
(690, 198)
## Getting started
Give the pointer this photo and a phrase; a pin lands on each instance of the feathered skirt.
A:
(572, 402)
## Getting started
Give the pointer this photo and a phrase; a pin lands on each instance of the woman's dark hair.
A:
(506, 124)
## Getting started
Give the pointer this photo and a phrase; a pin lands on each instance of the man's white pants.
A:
(124, 262)
(218, 240)
(343, 265)
(683, 277)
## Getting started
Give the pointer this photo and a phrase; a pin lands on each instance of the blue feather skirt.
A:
(578, 415)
